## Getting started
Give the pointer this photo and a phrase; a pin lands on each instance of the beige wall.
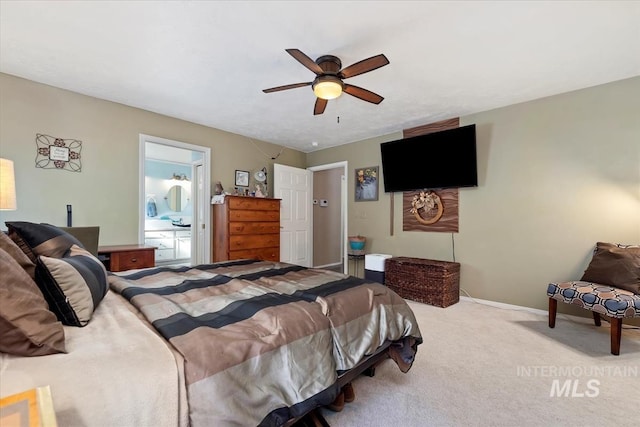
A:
(327, 241)
(105, 193)
(556, 175)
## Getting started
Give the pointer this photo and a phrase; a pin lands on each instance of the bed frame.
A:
(367, 367)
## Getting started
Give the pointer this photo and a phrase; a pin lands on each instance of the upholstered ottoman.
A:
(604, 300)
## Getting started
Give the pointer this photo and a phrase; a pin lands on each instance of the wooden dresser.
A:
(246, 227)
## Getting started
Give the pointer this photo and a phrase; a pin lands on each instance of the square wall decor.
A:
(58, 153)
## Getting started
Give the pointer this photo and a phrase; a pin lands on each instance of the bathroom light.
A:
(327, 87)
(7, 186)
(179, 177)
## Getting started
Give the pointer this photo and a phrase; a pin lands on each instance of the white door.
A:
(201, 210)
(294, 187)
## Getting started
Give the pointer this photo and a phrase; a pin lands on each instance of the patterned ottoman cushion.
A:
(606, 300)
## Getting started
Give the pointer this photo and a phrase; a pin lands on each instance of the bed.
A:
(235, 343)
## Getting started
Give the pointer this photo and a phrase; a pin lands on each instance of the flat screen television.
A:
(444, 159)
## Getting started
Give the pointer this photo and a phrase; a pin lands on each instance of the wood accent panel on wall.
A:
(449, 221)
(432, 127)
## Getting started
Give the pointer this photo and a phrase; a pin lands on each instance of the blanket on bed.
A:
(263, 342)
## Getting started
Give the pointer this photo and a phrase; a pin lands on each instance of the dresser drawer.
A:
(127, 260)
(237, 215)
(247, 203)
(254, 228)
(267, 254)
(253, 241)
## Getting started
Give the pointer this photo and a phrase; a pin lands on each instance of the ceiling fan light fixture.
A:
(329, 76)
(327, 87)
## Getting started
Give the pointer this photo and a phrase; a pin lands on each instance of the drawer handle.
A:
(134, 259)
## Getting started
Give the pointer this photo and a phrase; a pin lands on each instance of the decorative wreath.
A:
(426, 200)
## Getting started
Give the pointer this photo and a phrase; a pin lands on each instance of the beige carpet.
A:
(486, 366)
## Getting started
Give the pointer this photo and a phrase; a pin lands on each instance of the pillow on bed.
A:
(41, 239)
(27, 327)
(615, 265)
(10, 247)
(73, 285)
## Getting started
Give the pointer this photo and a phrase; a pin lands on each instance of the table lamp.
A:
(7, 186)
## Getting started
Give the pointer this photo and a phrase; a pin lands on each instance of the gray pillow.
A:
(41, 239)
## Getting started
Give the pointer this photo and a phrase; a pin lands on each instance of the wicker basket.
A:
(424, 280)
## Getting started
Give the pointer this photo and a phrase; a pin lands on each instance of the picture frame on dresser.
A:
(242, 178)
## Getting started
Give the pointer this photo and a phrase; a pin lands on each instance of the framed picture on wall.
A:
(242, 178)
(366, 184)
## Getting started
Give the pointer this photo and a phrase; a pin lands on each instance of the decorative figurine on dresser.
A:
(246, 227)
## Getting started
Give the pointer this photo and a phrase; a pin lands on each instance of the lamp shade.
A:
(7, 186)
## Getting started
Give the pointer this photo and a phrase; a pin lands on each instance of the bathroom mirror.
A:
(177, 198)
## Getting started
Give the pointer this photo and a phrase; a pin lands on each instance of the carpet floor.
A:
(485, 366)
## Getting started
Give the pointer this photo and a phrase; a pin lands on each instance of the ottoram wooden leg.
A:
(616, 335)
(553, 308)
(596, 318)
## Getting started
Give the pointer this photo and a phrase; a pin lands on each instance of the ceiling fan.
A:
(328, 83)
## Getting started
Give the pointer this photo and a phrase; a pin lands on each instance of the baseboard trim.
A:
(504, 305)
(328, 265)
(632, 322)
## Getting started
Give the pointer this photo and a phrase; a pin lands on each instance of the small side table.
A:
(356, 256)
(127, 257)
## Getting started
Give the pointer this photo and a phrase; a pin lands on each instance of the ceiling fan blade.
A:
(365, 95)
(364, 66)
(305, 60)
(321, 104)
(285, 87)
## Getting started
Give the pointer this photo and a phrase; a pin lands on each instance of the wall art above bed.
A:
(58, 153)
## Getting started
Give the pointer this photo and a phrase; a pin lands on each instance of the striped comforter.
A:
(263, 341)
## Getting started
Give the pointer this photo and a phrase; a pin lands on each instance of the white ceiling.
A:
(207, 61)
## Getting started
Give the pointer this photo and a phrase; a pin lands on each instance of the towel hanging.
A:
(152, 209)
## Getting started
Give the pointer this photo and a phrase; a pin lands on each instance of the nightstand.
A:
(127, 257)
(355, 255)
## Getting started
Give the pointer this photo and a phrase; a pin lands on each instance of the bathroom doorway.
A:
(174, 200)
